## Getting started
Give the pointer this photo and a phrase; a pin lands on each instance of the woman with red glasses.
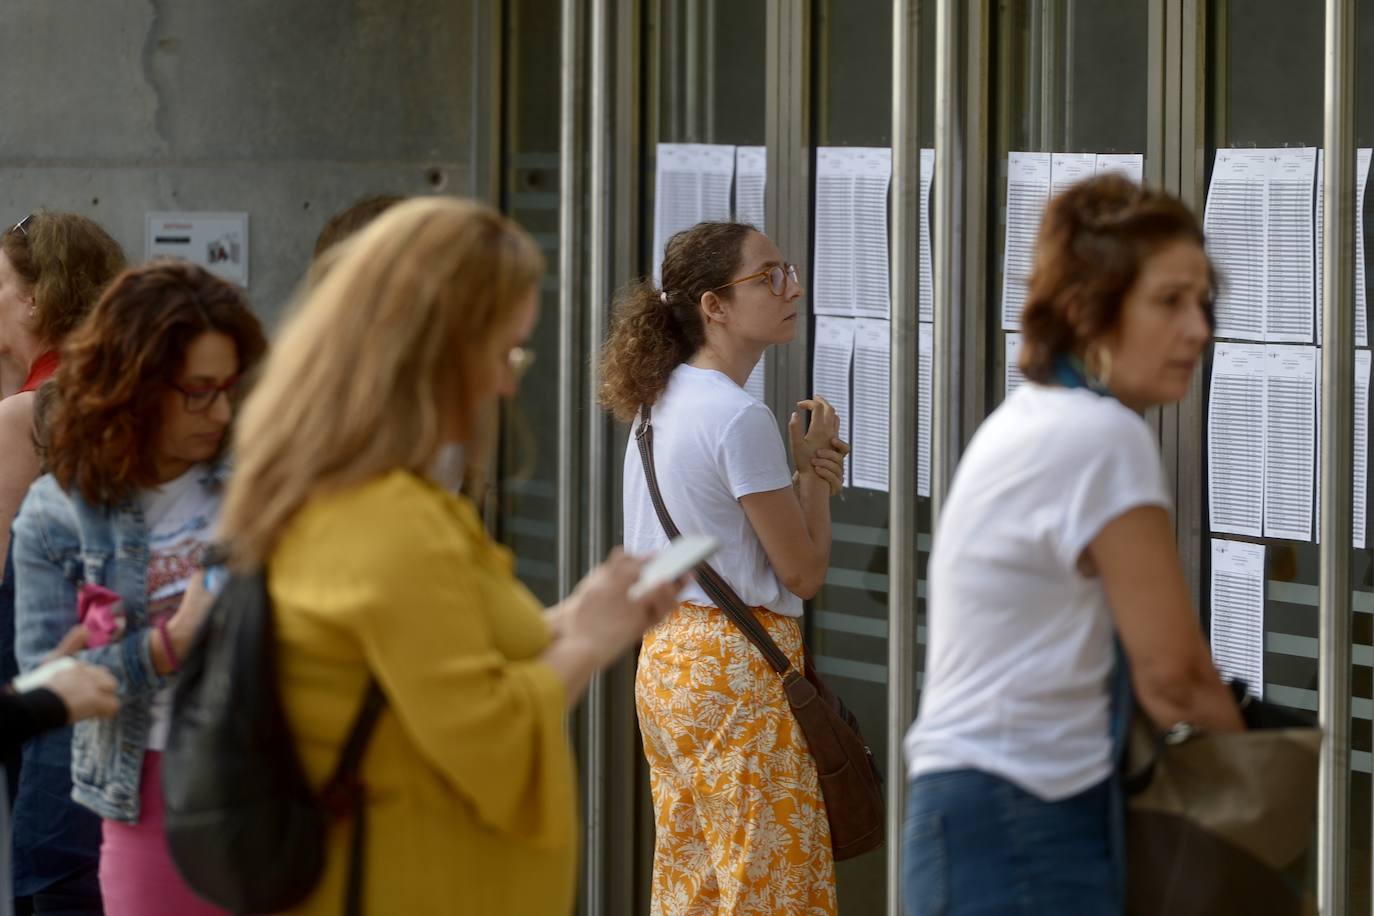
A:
(134, 442)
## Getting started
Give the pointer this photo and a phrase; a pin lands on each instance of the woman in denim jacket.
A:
(134, 443)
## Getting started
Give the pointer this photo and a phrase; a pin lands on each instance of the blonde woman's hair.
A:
(372, 357)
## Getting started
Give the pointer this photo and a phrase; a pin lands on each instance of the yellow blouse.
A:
(469, 774)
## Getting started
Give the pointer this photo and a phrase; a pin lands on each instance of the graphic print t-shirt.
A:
(180, 516)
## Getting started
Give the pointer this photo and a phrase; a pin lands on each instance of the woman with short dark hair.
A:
(1055, 540)
(135, 441)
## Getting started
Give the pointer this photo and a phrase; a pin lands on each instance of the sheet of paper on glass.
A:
(1237, 599)
(1028, 190)
(692, 184)
(1014, 378)
(1362, 160)
(751, 181)
(925, 377)
(832, 358)
(1234, 224)
(1235, 439)
(851, 264)
(1290, 416)
(871, 403)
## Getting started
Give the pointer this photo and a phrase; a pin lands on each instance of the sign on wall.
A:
(215, 241)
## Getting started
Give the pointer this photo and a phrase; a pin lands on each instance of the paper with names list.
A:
(751, 180)
(692, 183)
(926, 298)
(871, 403)
(1028, 191)
(1237, 593)
(925, 377)
(1067, 169)
(1234, 226)
(1235, 439)
(851, 266)
(1131, 165)
(1362, 160)
(1359, 490)
(757, 378)
(832, 357)
(1290, 410)
(1260, 228)
(1014, 378)
(1289, 302)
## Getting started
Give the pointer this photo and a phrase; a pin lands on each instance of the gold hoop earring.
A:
(1103, 358)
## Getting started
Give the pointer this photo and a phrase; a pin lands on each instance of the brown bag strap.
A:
(711, 581)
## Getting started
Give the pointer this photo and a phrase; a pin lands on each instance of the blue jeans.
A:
(977, 845)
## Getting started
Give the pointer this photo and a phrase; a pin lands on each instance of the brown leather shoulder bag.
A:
(849, 777)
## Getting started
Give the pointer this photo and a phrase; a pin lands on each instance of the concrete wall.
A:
(288, 110)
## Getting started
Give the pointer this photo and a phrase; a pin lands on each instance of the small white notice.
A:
(1014, 378)
(1028, 190)
(871, 402)
(926, 297)
(925, 377)
(1290, 416)
(216, 241)
(1237, 594)
(1235, 453)
(832, 356)
(751, 180)
(757, 378)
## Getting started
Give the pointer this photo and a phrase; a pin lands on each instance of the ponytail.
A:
(653, 331)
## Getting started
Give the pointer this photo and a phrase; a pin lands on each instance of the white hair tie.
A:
(663, 296)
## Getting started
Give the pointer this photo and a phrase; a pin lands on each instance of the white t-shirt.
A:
(180, 516)
(713, 443)
(1020, 643)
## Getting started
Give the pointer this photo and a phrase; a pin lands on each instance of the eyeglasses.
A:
(520, 359)
(201, 398)
(777, 278)
(21, 227)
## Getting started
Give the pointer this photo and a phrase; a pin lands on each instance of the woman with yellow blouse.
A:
(405, 338)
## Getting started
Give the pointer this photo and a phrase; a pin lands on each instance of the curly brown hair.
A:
(115, 368)
(1093, 239)
(67, 260)
(655, 331)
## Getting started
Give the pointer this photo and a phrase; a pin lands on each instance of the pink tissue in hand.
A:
(101, 612)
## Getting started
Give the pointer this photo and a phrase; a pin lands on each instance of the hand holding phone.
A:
(673, 562)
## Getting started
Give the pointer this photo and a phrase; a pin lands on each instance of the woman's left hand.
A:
(828, 464)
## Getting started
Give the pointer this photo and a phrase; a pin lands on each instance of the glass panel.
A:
(707, 60)
(1068, 77)
(1267, 95)
(1362, 561)
(528, 464)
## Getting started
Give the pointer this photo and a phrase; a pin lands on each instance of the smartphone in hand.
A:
(673, 562)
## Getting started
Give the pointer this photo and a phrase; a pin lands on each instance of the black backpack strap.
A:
(725, 597)
(343, 793)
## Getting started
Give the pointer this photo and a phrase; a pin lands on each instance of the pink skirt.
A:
(137, 876)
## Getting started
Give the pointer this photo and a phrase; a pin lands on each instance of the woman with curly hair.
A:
(741, 824)
(53, 267)
(135, 449)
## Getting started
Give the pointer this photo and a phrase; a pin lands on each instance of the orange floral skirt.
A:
(740, 821)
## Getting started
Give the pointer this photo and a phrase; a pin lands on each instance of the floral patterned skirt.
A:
(740, 821)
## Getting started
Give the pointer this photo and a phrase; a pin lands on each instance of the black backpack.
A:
(245, 830)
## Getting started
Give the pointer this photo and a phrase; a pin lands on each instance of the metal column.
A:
(902, 526)
(1336, 459)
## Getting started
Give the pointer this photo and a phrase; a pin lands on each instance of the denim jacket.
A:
(60, 543)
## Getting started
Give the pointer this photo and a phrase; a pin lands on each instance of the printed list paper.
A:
(871, 403)
(925, 377)
(1028, 190)
(1237, 594)
(1067, 169)
(692, 183)
(1235, 454)
(832, 355)
(1361, 490)
(1289, 303)
(1131, 165)
(1014, 378)
(851, 258)
(1290, 409)
(751, 180)
(1362, 161)
(1234, 225)
(756, 378)
(926, 301)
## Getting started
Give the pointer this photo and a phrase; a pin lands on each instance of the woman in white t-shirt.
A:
(741, 824)
(1056, 538)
